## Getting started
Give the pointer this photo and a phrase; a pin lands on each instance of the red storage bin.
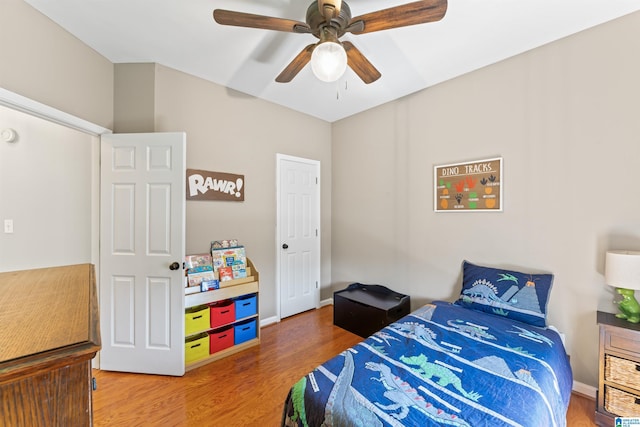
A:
(222, 313)
(220, 339)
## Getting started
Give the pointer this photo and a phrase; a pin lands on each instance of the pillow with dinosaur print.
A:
(512, 294)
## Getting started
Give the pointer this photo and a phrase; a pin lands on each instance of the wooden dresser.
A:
(619, 376)
(49, 332)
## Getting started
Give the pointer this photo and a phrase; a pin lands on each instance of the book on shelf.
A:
(196, 275)
(197, 260)
(240, 273)
(219, 244)
(204, 286)
(205, 271)
(209, 285)
(225, 273)
(228, 257)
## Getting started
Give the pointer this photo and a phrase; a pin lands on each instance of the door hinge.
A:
(316, 232)
(316, 284)
(316, 180)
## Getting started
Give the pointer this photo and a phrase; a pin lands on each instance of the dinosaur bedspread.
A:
(442, 365)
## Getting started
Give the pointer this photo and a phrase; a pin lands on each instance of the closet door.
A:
(298, 234)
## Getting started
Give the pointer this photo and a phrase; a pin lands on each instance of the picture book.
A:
(196, 275)
(197, 260)
(226, 273)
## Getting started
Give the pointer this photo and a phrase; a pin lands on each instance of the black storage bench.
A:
(365, 309)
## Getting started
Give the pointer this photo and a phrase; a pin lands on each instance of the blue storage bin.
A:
(244, 331)
(246, 306)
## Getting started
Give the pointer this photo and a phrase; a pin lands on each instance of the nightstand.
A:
(619, 372)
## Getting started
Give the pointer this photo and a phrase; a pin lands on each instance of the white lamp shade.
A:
(622, 269)
(328, 61)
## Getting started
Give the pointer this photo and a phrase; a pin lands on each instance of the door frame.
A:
(279, 159)
(37, 109)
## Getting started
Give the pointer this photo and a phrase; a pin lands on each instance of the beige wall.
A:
(48, 188)
(226, 130)
(49, 176)
(231, 132)
(134, 98)
(43, 62)
(565, 119)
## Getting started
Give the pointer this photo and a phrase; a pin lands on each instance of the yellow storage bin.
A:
(196, 347)
(197, 319)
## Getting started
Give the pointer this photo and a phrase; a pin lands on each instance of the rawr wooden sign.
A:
(206, 185)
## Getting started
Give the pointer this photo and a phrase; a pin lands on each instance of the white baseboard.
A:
(584, 389)
(274, 319)
(269, 321)
(328, 301)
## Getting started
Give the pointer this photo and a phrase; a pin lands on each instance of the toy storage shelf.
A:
(229, 290)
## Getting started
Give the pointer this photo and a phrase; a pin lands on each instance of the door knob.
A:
(174, 266)
(285, 246)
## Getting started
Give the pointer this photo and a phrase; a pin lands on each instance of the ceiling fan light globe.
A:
(329, 61)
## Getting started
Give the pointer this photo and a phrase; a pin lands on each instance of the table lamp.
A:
(622, 270)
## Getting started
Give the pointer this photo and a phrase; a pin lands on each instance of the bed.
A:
(486, 360)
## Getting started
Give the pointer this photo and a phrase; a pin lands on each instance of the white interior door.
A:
(298, 234)
(142, 230)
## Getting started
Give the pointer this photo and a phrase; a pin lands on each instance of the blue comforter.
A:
(441, 365)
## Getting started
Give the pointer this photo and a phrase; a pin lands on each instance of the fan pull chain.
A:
(338, 89)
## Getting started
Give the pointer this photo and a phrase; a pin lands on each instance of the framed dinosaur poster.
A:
(468, 187)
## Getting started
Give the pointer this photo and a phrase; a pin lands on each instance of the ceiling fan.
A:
(328, 20)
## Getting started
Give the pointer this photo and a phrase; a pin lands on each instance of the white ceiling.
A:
(181, 34)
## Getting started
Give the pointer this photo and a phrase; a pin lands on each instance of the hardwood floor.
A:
(581, 411)
(246, 389)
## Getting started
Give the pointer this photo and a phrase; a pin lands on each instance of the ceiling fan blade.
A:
(241, 19)
(418, 12)
(360, 64)
(296, 65)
